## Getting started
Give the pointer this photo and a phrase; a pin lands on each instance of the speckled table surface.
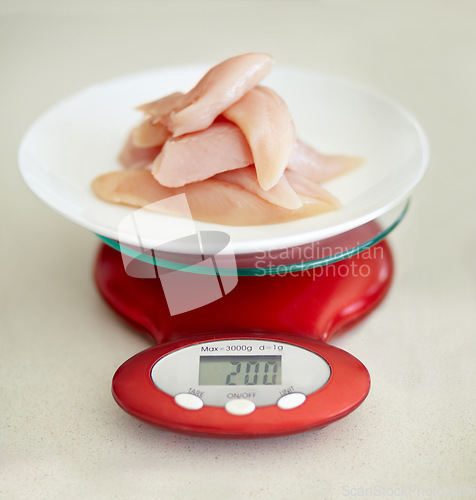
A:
(61, 433)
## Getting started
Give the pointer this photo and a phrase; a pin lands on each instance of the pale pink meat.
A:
(308, 187)
(149, 134)
(282, 194)
(200, 155)
(230, 146)
(133, 157)
(309, 163)
(221, 87)
(211, 200)
(160, 109)
(269, 129)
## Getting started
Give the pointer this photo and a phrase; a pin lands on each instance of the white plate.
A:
(78, 139)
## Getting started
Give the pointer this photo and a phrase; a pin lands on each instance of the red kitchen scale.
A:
(240, 316)
(254, 363)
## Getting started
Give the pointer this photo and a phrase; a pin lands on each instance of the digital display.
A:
(240, 370)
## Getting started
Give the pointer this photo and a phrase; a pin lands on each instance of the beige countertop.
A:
(61, 433)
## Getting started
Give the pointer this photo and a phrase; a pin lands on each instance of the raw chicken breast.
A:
(230, 146)
(211, 200)
(282, 194)
(160, 109)
(149, 134)
(200, 155)
(307, 162)
(308, 187)
(134, 157)
(269, 129)
(221, 87)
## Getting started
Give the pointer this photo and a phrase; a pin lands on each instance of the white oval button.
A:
(290, 401)
(240, 407)
(189, 401)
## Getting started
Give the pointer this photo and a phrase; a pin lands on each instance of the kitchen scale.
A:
(241, 316)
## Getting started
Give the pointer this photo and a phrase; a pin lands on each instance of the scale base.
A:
(318, 303)
(305, 308)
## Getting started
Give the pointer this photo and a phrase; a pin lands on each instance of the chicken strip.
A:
(200, 155)
(212, 200)
(133, 157)
(307, 162)
(264, 119)
(149, 134)
(282, 194)
(221, 87)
